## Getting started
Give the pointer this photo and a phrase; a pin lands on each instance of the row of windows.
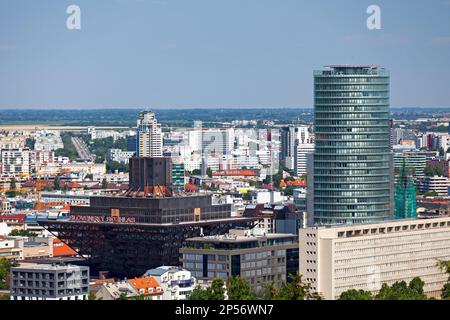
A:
(355, 87)
(353, 151)
(359, 94)
(343, 194)
(336, 165)
(350, 79)
(375, 101)
(429, 236)
(352, 172)
(424, 254)
(405, 246)
(352, 123)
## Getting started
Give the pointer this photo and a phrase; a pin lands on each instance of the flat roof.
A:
(47, 267)
(233, 238)
(337, 66)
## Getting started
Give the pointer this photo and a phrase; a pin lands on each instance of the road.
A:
(83, 151)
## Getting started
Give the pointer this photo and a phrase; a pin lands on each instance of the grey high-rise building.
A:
(351, 172)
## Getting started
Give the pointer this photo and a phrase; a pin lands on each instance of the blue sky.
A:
(214, 53)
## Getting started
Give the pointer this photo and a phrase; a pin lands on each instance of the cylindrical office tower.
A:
(352, 168)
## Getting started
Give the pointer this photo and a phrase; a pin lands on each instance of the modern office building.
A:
(405, 195)
(148, 135)
(415, 163)
(145, 227)
(290, 137)
(259, 258)
(178, 176)
(364, 256)
(49, 282)
(351, 172)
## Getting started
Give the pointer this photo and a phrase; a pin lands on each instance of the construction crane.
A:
(3, 192)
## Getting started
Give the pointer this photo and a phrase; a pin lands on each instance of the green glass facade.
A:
(405, 195)
(352, 162)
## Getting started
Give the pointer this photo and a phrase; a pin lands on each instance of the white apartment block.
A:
(149, 135)
(339, 258)
(436, 184)
(176, 282)
(119, 155)
(15, 161)
(300, 157)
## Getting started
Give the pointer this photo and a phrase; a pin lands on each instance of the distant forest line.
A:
(179, 117)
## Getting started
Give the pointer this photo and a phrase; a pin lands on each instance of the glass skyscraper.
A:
(351, 169)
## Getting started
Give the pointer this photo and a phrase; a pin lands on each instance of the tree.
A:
(57, 182)
(401, 291)
(92, 296)
(247, 196)
(445, 266)
(431, 170)
(217, 289)
(209, 172)
(196, 172)
(12, 186)
(296, 289)
(446, 291)
(238, 288)
(123, 296)
(5, 270)
(416, 285)
(214, 292)
(430, 194)
(104, 184)
(22, 233)
(199, 294)
(356, 295)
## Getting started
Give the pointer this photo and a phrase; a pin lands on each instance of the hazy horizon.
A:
(171, 54)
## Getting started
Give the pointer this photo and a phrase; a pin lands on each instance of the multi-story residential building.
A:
(119, 155)
(415, 163)
(301, 157)
(176, 282)
(208, 141)
(436, 184)
(178, 176)
(148, 135)
(49, 282)
(15, 161)
(290, 137)
(255, 256)
(364, 256)
(8, 248)
(352, 172)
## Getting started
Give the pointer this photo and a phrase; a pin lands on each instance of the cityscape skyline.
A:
(264, 58)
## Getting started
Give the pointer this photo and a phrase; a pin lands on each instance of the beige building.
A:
(336, 259)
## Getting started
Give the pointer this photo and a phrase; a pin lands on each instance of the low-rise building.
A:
(176, 282)
(259, 258)
(116, 290)
(437, 184)
(147, 287)
(49, 282)
(365, 256)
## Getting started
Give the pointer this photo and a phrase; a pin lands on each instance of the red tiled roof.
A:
(62, 249)
(145, 283)
(8, 217)
(247, 173)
